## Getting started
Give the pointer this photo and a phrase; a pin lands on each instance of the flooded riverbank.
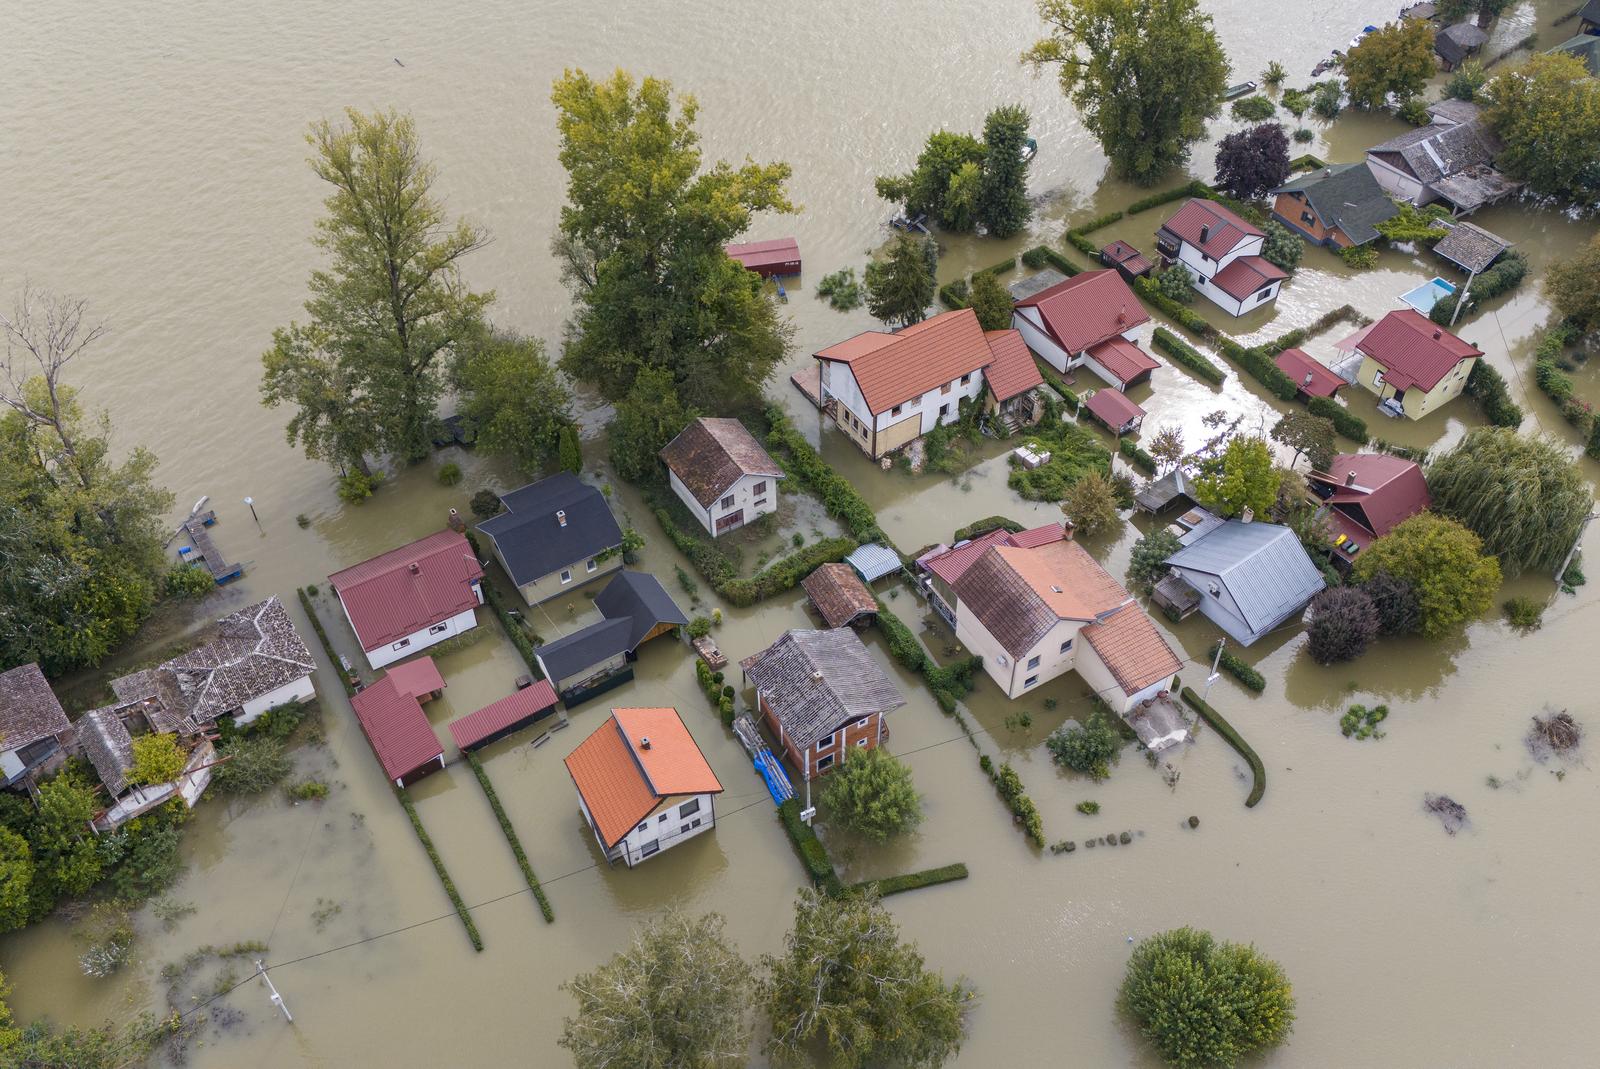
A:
(155, 165)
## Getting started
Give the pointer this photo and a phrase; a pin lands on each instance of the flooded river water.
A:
(152, 161)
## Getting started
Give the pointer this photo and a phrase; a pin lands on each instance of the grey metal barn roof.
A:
(532, 540)
(873, 561)
(571, 654)
(1262, 566)
(640, 598)
(815, 682)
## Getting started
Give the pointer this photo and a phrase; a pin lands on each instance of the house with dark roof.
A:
(1338, 206)
(390, 714)
(1454, 44)
(1222, 254)
(1470, 247)
(1589, 17)
(554, 536)
(1585, 47)
(1091, 320)
(1413, 365)
(1249, 577)
(1450, 160)
(1365, 496)
(722, 474)
(104, 738)
(635, 608)
(34, 729)
(821, 694)
(412, 597)
(884, 390)
(643, 785)
(1036, 612)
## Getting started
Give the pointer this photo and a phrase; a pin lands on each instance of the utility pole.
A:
(277, 999)
(1461, 298)
(1213, 677)
(252, 503)
(1573, 551)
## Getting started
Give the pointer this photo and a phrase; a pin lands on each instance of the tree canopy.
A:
(1306, 434)
(900, 286)
(1522, 495)
(872, 793)
(675, 998)
(960, 181)
(1573, 286)
(1396, 59)
(1003, 188)
(989, 299)
(1547, 112)
(846, 979)
(647, 419)
(514, 400)
(1343, 621)
(641, 243)
(1282, 246)
(1243, 477)
(1147, 565)
(1252, 161)
(1091, 505)
(1144, 74)
(1203, 1002)
(157, 758)
(1444, 564)
(1486, 11)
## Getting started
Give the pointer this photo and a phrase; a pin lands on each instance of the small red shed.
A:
(780, 256)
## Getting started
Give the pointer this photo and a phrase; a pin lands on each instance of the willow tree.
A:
(388, 313)
(1522, 495)
(1144, 74)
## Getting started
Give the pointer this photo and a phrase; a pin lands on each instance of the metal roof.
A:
(1314, 379)
(1113, 408)
(509, 712)
(1261, 566)
(873, 561)
(409, 588)
(397, 728)
(532, 540)
(1087, 309)
(1224, 231)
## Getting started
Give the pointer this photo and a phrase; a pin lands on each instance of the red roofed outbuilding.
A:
(1113, 409)
(1313, 378)
(411, 597)
(390, 713)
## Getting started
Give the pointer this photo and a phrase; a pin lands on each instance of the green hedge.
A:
(807, 467)
(438, 866)
(1136, 456)
(1306, 162)
(1506, 275)
(327, 647)
(1240, 670)
(1345, 312)
(785, 574)
(1034, 258)
(1156, 200)
(1260, 367)
(1225, 729)
(511, 835)
(1009, 785)
(1187, 356)
(1008, 264)
(1344, 421)
(910, 881)
(949, 683)
(1486, 386)
(984, 526)
(953, 295)
(1040, 255)
(1182, 315)
(812, 853)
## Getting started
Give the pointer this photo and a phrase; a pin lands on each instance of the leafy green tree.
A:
(945, 157)
(1547, 112)
(1167, 447)
(1088, 749)
(1274, 74)
(900, 286)
(1242, 478)
(872, 793)
(1465, 81)
(1206, 1003)
(646, 420)
(388, 313)
(66, 861)
(641, 242)
(1003, 192)
(847, 980)
(1522, 495)
(1306, 434)
(571, 449)
(1252, 161)
(1144, 74)
(1443, 562)
(1282, 246)
(1395, 601)
(1091, 504)
(675, 998)
(514, 400)
(255, 764)
(1343, 622)
(157, 758)
(989, 299)
(1328, 100)
(1397, 59)
(1147, 565)
(1573, 286)
(1176, 284)
(16, 882)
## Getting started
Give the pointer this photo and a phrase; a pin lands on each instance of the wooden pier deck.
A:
(220, 568)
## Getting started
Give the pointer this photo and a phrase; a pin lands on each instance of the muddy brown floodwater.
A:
(152, 160)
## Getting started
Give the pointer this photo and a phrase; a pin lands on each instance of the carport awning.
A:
(873, 562)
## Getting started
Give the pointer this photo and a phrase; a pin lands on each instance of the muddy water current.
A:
(152, 160)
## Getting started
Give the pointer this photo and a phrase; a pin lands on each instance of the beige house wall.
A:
(1417, 403)
(550, 586)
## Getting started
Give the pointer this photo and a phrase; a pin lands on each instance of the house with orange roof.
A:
(1091, 320)
(1222, 254)
(1036, 611)
(885, 390)
(643, 785)
(1413, 365)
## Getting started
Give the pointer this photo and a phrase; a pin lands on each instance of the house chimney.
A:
(1122, 314)
(561, 517)
(455, 522)
(644, 742)
(1438, 334)
(1247, 515)
(1307, 380)
(1349, 478)
(1205, 233)
(416, 569)
(816, 677)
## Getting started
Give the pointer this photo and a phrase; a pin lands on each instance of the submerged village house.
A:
(1244, 576)
(1338, 206)
(1413, 365)
(1449, 160)
(591, 660)
(555, 535)
(1222, 254)
(412, 597)
(1365, 496)
(34, 729)
(722, 474)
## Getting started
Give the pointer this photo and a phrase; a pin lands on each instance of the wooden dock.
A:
(206, 550)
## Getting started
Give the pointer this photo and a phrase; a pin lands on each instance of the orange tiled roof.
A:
(622, 782)
(892, 369)
(1131, 647)
(1013, 372)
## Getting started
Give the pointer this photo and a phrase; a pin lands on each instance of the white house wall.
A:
(1397, 183)
(1027, 322)
(298, 691)
(840, 383)
(1012, 674)
(666, 827)
(421, 639)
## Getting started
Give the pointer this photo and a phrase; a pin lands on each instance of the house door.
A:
(731, 520)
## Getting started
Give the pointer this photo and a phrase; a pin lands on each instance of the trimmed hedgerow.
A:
(1136, 456)
(1156, 200)
(949, 683)
(1009, 784)
(1226, 730)
(1240, 670)
(785, 574)
(910, 881)
(438, 866)
(1040, 255)
(807, 467)
(1187, 356)
(953, 295)
(1344, 421)
(511, 835)
(327, 647)
(1260, 367)
(1486, 386)
(984, 526)
(812, 853)
(1186, 318)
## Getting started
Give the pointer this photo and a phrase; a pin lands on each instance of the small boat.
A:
(1236, 91)
(1030, 149)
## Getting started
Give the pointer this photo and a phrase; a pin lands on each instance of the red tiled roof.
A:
(416, 678)
(397, 728)
(1013, 372)
(1123, 359)
(1227, 229)
(1035, 537)
(407, 589)
(621, 781)
(1246, 275)
(1386, 491)
(508, 712)
(1112, 407)
(1087, 309)
(1132, 649)
(1126, 256)
(894, 368)
(1412, 350)
(952, 564)
(1297, 364)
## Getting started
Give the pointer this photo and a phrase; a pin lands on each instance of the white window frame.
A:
(566, 576)
(1377, 376)
(650, 849)
(1030, 681)
(402, 644)
(826, 742)
(1066, 646)
(825, 763)
(438, 629)
(592, 565)
(1033, 662)
(863, 741)
(689, 809)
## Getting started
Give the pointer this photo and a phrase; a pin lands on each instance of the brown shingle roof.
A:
(1132, 649)
(815, 682)
(29, 710)
(839, 594)
(621, 782)
(710, 455)
(894, 368)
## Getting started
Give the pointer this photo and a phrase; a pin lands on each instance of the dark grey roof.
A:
(531, 539)
(1471, 247)
(106, 741)
(1432, 152)
(815, 682)
(1451, 110)
(1261, 565)
(1456, 43)
(1586, 46)
(1347, 196)
(639, 598)
(29, 710)
(1590, 12)
(571, 654)
(1164, 491)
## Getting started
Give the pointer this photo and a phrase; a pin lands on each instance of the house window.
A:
(967, 378)
(402, 644)
(662, 819)
(438, 629)
(1307, 217)
(861, 742)
(759, 488)
(895, 411)
(689, 808)
(1067, 645)
(1030, 681)
(649, 848)
(566, 576)
(945, 388)
(944, 410)
(726, 502)
(825, 743)
(1033, 662)
(1377, 377)
(1265, 292)
(641, 829)
(695, 823)
(684, 830)
(825, 763)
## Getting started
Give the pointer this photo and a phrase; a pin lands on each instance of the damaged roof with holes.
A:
(815, 682)
(531, 536)
(409, 588)
(710, 455)
(109, 747)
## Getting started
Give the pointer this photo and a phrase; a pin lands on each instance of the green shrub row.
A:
(953, 295)
(1009, 784)
(511, 835)
(984, 526)
(1082, 244)
(807, 467)
(438, 866)
(784, 575)
(1185, 317)
(327, 647)
(508, 623)
(1487, 387)
(949, 683)
(1156, 200)
(910, 881)
(1306, 162)
(1298, 336)
(1008, 264)
(1558, 385)
(1040, 255)
(1225, 729)
(1344, 421)
(718, 693)
(812, 853)
(1506, 275)
(1240, 670)
(1136, 456)
(1260, 367)
(1185, 354)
